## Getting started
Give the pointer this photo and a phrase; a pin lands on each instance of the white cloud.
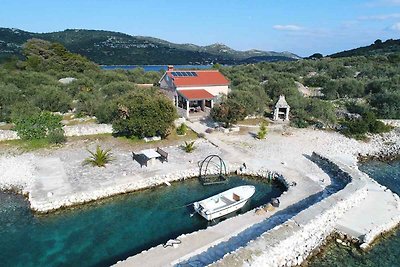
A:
(383, 3)
(380, 17)
(287, 27)
(395, 27)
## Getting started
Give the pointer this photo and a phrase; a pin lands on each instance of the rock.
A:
(260, 211)
(269, 207)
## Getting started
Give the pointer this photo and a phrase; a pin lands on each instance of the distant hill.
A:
(377, 48)
(114, 48)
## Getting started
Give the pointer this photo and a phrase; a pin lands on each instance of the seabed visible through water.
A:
(103, 232)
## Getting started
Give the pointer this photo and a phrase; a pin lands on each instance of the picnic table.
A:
(151, 155)
(147, 156)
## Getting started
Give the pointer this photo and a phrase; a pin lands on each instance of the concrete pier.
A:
(378, 213)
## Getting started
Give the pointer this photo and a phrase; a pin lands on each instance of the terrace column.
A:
(187, 108)
(203, 104)
(212, 103)
(287, 114)
(276, 114)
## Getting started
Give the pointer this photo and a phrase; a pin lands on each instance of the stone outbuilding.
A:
(281, 110)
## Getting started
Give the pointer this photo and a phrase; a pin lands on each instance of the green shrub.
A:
(228, 112)
(366, 124)
(300, 123)
(37, 126)
(182, 129)
(56, 136)
(262, 133)
(144, 113)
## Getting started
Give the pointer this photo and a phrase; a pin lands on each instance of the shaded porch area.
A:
(194, 103)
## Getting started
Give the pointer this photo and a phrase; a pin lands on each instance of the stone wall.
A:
(394, 123)
(138, 185)
(73, 130)
(87, 129)
(8, 135)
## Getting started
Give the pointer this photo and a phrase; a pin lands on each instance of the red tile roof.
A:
(197, 94)
(203, 78)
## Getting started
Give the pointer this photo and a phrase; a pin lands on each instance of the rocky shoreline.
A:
(388, 145)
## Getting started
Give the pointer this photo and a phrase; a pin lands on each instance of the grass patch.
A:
(256, 121)
(169, 140)
(28, 145)
(93, 137)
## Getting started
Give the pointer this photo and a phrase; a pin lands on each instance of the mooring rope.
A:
(172, 242)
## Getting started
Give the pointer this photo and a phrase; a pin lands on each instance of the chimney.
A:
(170, 67)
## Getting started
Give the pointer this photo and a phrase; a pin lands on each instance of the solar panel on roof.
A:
(189, 74)
(194, 73)
(184, 73)
(173, 73)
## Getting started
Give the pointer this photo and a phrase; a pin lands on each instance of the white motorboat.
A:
(225, 202)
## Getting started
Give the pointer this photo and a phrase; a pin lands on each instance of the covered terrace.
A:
(194, 101)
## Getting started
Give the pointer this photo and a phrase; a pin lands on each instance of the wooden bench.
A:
(163, 154)
(141, 160)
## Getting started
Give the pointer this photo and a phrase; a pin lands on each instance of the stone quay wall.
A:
(150, 182)
(290, 243)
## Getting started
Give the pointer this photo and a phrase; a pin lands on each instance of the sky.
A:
(302, 27)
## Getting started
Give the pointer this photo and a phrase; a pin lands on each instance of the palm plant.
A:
(99, 158)
(189, 147)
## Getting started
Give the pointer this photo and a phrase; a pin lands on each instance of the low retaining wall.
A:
(289, 244)
(87, 129)
(6, 135)
(73, 130)
(394, 123)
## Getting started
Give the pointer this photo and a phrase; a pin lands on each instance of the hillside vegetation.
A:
(353, 91)
(377, 48)
(113, 48)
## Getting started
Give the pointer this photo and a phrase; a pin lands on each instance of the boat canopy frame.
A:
(204, 168)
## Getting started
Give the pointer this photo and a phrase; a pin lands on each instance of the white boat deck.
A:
(217, 202)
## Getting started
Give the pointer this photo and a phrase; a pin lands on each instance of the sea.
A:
(155, 67)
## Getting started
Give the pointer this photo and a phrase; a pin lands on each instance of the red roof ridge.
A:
(169, 71)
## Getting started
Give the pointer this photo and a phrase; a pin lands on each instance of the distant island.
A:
(114, 48)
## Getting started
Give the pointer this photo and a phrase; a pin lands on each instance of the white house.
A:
(193, 91)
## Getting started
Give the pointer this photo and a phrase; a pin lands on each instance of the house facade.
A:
(194, 92)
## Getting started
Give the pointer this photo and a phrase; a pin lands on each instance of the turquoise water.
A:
(104, 232)
(387, 251)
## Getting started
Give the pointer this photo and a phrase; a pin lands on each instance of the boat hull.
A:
(232, 200)
(221, 213)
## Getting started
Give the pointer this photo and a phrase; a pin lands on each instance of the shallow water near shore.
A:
(387, 250)
(101, 233)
